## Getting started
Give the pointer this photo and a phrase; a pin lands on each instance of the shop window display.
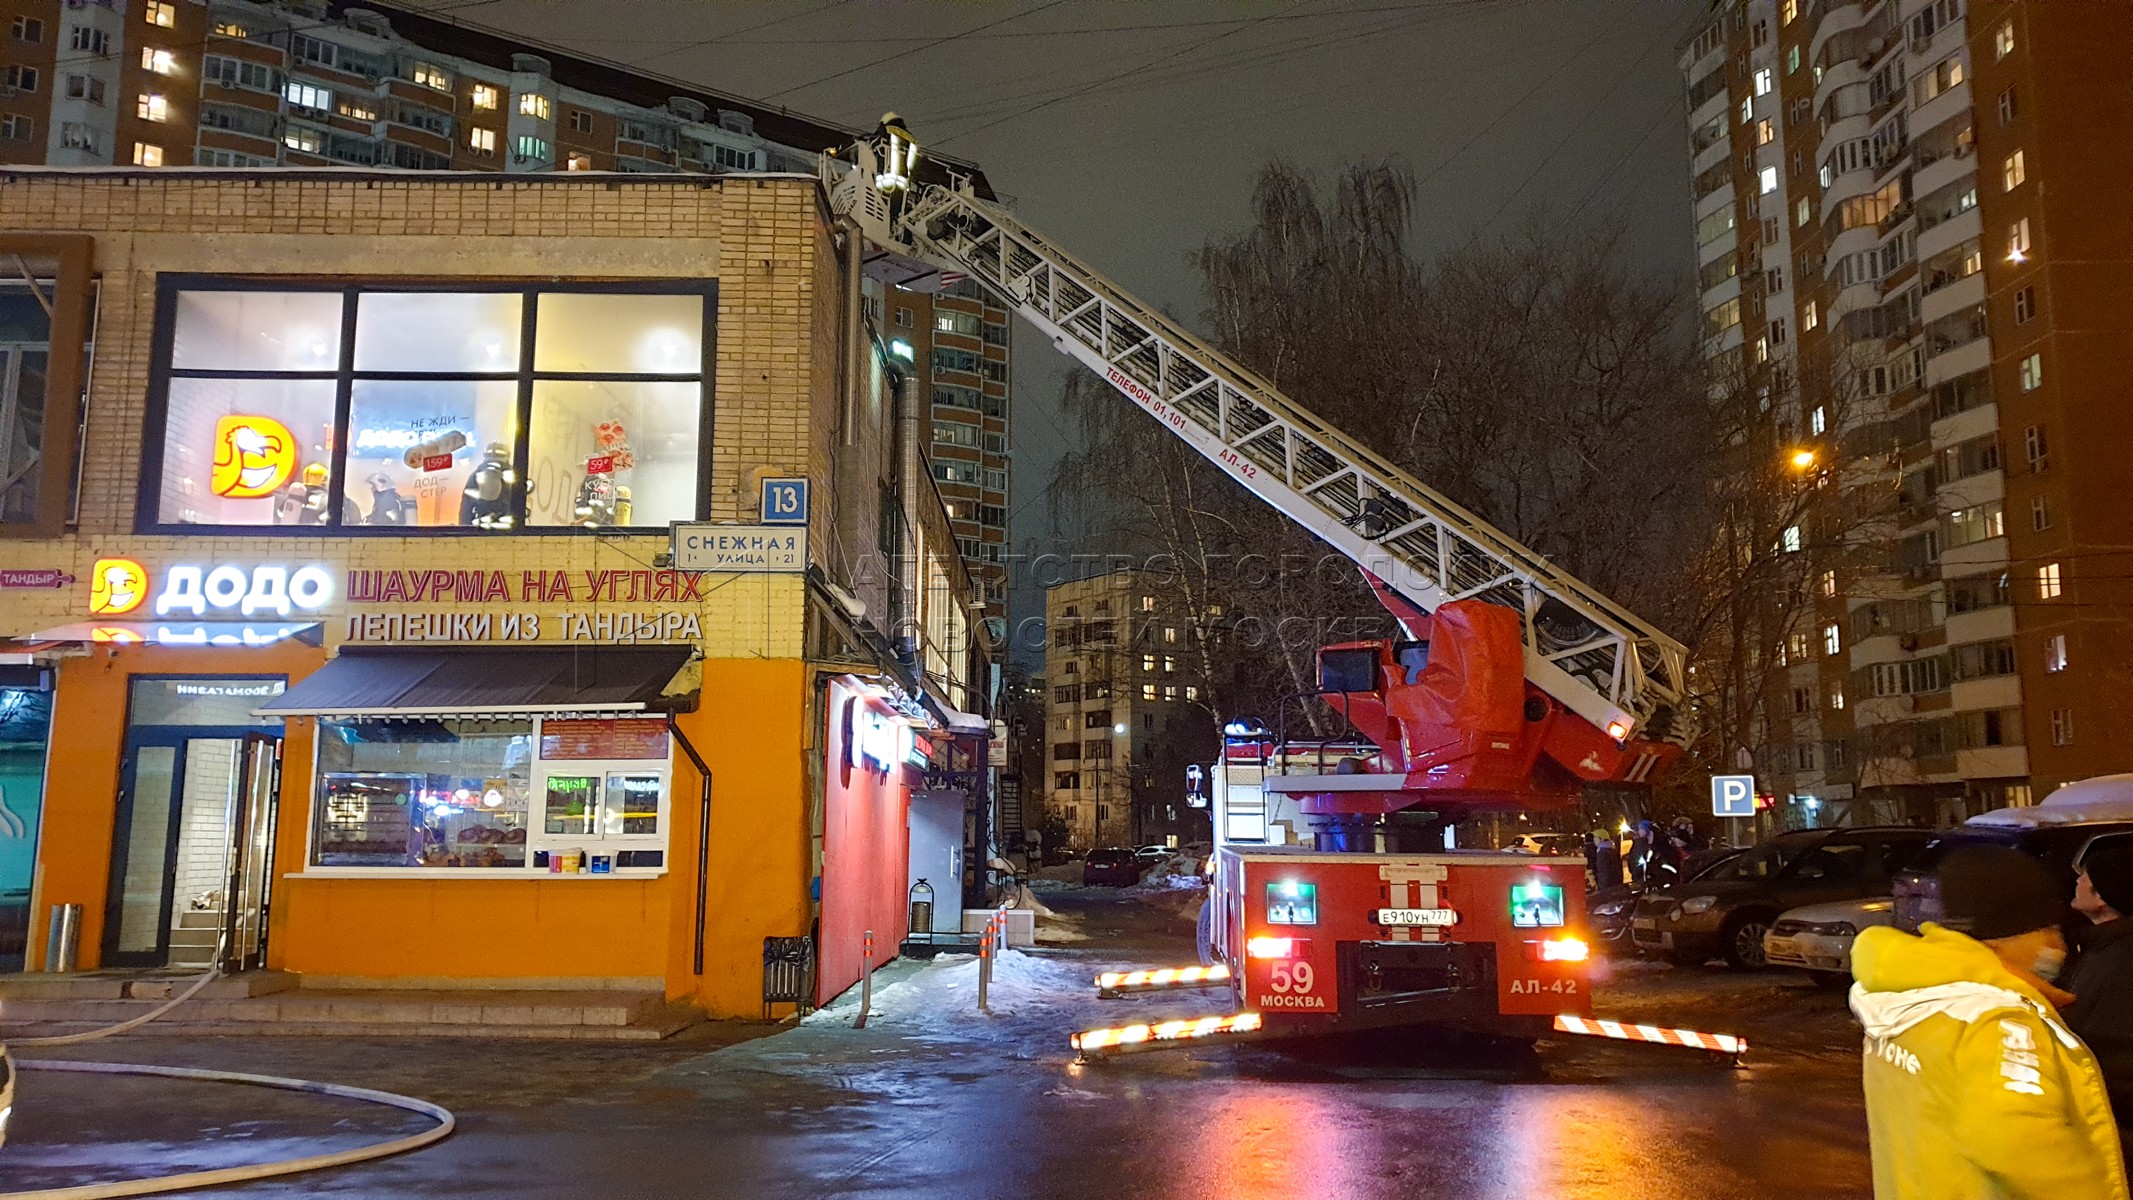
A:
(523, 796)
(359, 409)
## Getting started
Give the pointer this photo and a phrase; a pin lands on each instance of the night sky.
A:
(1130, 131)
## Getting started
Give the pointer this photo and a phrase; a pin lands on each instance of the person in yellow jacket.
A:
(1974, 1087)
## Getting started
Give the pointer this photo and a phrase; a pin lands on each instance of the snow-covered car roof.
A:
(2103, 798)
(1874, 910)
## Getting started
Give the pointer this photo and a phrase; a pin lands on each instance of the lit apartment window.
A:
(1832, 640)
(531, 149)
(2012, 172)
(1791, 539)
(159, 62)
(2018, 240)
(1765, 133)
(533, 104)
(2003, 40)
(578, 161)
(1829, 583)
(1788, 12)
(1818, 420)
(1769, 180)
(2025, 305)
(1147, 691)
(2040, 514)
(1191, 693)
(2048, 585)
(145, 155)
(304, 138)
(159, 13)
(1763, 82)
(482, 141)
(357, 110)
(1747, 109)
(484, 96)
(2055, 653)
(2062, 727)
(1836, 697)
(308, 96)
(430, 75)
(1148, 663)
(230, 29)
(1802, 212)
(2032, 372)
(1810, 316)
(152, 107)
(1795, 648)
(1762, 349)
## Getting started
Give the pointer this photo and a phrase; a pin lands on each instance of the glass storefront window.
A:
(424, 416)
(447, 793)
(433, 452)
(617, 453)
(248, 452)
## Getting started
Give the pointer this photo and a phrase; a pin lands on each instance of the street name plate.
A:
(1417, 916)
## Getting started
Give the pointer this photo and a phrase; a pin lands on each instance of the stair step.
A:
(254, 1017)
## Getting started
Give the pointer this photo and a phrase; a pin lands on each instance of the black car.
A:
(1608, 910)
(1724, 912)
(1117, 868)
(2058, 839)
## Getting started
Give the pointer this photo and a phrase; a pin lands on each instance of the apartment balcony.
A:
(1728, 289)
(1710, 156)
(1948, 294)
(1997, 691)
(1946, 236)
(1950, 105)
(1856, 240)
(1970, 491)
(1993, 762)
(1835, 17)
(1971, 423)
(1716, 105)
(1981, 626)
(1947, 359)
(1975, 558)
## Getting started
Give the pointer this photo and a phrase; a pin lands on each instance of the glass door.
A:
(192, 851)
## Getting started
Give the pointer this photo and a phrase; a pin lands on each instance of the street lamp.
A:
(1803, 459)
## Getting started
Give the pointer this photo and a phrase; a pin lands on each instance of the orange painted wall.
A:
(747, 727)
(82, 770)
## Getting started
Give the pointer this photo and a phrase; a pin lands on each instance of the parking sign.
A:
(1732, 795)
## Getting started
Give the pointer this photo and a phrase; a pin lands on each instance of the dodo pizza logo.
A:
(253, 456)
(117, 586)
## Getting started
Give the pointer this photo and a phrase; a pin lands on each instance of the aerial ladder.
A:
(1514, 686)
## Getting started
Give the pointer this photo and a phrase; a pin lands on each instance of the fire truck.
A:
(1339, 898)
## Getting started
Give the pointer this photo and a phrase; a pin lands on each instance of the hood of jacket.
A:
(1903, 978)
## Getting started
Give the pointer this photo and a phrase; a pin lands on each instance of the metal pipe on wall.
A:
(855, 246)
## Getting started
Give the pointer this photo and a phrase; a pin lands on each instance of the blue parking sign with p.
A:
(1732, 795)
(785, 502)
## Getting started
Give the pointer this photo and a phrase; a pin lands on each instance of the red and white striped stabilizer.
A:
(1112, 984)
(1716, 1043)
(1157, 1035)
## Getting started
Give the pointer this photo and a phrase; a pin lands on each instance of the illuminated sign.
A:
(874, 740)
(235, 591)
(1536, 905)
(253, 457)
(116, 586)
(1291, 903)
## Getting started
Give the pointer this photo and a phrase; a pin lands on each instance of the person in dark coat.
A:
(2102, 981)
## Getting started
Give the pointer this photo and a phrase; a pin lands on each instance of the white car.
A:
(1818, 937)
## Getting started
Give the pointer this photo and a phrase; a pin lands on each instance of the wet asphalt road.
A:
(995, 1109)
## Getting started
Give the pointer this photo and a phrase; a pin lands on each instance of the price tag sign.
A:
(436, 462)
(600, 464)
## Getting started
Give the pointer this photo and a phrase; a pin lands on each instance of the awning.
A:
(179, 633)
(367, 681)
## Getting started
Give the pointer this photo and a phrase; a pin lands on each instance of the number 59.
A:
(1298, 979)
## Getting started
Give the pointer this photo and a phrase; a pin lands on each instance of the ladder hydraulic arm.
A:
(1589, 654)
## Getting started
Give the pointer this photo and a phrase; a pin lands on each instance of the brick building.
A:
(306, 83)
(1914, 263)
(373, 483)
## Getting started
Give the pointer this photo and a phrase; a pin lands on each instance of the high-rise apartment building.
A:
(1124, 715)
(1916, 271)
(233, 83)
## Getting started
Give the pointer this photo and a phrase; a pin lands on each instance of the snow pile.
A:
(1158, 884)
(939, 1001)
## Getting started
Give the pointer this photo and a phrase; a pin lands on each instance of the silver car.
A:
(1817, 938)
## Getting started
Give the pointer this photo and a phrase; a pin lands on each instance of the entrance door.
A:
(192, 850)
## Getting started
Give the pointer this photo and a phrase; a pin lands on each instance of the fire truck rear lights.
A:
(1273, 947)
(1565, 950)
(1716, 1043)
(1112, 983)
(1141, 1037)
(1618, 730)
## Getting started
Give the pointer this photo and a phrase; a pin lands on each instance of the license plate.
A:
(1645, 923)
(1417, 916)
(1778, 946)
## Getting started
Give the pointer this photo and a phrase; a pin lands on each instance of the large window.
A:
(520, 795)
(496, 409)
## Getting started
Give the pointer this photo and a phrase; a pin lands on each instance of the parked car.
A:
(2060, 832)
(1113, 868)
(1817, 938)
(1149, 855)
(1567, 845)
(1725, 912)
(1608, 910)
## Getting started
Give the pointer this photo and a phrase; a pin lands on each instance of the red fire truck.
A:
(1340, 898)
